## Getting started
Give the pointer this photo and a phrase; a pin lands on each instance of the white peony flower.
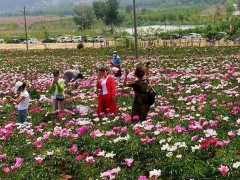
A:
(179, 156)
(155, 173)
(236, 165)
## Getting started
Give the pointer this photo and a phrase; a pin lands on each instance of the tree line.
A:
(105, 11)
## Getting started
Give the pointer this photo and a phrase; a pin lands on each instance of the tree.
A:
(99, 8)
(108, 11)
(84, 16)
(112, 17)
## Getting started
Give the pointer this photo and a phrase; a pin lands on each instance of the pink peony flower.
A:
(231, 134)
(79, 158)
(73, 149)
(142, 178)
(90, 160)
(135, 118)
(127, 119)
(82, 130)
(195, 138)
(86, 154)
(129, 162)
(224, 170)
(3, 156)
(19, 161)
(213, 124)
(7, 170)
(97, 151)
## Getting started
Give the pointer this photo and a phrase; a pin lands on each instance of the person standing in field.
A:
(116, 64)
(140, 107)
(57, 92)
(22, 101)
(107, 96)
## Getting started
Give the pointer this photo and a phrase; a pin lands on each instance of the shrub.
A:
(80, 46)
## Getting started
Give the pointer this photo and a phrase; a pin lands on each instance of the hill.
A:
(63, 7)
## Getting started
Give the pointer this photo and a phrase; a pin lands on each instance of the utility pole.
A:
(25, 26)
(135, 29)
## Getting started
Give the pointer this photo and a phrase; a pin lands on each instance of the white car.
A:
(96, 39)
(77, 39)
(1, 40)
(31, 41)
(99, 39)
(66, 40)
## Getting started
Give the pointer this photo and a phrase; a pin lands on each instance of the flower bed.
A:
(192, 131)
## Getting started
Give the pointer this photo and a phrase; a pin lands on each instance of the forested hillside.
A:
(175, 3)
(63, 7)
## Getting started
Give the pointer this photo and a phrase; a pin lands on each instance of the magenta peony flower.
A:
(135, 118)
(127, 119)
(86, 154)
(97, 151)
(82, 130)
(142, 178)
(79, 158)
(3, 156)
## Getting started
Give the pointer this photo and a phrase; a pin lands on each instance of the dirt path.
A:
(51, 46)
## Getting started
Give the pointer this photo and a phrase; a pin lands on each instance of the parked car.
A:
(31, 41)
(1, 40)
(77, 39)
(172, 36)
(96, 39)
(15, 40)
(192, 36)
(65, 40)
(49, 40)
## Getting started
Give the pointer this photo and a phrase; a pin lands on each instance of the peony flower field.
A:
(192, 131)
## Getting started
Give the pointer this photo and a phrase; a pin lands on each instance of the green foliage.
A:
(84, 16)
(99, 8)
(46, 32)
(108, 12)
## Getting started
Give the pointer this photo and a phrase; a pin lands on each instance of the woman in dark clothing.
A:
(140, 106)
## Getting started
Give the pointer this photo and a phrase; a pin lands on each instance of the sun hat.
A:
(17, 86)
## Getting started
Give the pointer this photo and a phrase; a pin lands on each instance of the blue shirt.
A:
(117, 60)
